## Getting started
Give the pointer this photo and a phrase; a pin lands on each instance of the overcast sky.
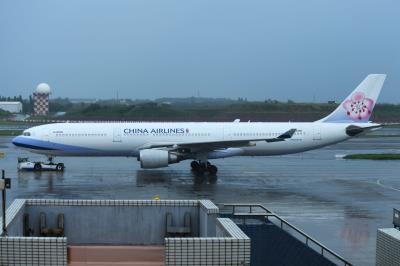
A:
(299, 50)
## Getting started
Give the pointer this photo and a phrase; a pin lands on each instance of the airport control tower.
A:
(41, 99)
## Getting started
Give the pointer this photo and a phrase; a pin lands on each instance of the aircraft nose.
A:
(17, 141)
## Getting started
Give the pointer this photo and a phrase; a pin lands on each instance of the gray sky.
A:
(223, 48)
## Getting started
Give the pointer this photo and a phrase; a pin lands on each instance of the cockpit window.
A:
(26, 133)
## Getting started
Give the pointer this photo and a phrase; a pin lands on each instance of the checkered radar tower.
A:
(41, 99)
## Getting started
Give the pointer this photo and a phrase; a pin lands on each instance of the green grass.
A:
(10, 132)
(370, 156)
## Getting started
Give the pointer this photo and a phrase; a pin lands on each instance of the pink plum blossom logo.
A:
(358, 107)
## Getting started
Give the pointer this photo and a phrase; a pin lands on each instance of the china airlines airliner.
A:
(160, 144)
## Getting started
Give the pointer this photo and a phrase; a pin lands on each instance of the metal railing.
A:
(257, 211)
(396, 218)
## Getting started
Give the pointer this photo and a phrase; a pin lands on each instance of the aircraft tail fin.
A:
(358, 106)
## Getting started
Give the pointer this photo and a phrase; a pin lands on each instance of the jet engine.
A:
(150, 158)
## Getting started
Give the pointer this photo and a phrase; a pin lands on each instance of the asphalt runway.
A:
(341, 203)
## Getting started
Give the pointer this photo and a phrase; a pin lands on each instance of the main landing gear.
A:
(203, 167)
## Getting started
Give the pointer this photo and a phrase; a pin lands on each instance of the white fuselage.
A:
(128, 138)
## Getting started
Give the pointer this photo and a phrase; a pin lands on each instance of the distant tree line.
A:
(4, 114)
(253, 111)
(197, 109)
(11, 99)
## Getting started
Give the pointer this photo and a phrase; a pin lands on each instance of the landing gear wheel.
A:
(195, 165)
(37, 167)
(60, 167)
(201, 168)
(212, 169)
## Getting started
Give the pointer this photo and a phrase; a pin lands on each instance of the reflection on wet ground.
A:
(339, 202)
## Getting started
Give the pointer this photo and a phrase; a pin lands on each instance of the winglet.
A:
(287, 135)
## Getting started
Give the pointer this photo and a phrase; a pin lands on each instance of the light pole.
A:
(5, 183)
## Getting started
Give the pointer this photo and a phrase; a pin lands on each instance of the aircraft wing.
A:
(222, 144)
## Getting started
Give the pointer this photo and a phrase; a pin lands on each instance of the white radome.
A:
(43, 88)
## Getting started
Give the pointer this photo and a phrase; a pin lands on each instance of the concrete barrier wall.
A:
(388, 247)
(44, 251)
(231, 248)
(14, 218)
(208, 213)
(114, 222)
(215, 241)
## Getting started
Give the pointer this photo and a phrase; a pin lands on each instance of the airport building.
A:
(41, 100)
(12, 107)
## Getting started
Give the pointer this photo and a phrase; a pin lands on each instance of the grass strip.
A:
(10, 132)
(372, 156)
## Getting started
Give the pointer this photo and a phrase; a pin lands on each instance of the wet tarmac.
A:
(339, 202)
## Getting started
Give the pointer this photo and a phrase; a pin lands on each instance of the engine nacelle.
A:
(150, 158)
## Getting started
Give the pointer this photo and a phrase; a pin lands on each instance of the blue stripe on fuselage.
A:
(35, 144)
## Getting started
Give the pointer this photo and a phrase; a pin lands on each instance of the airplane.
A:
(158, 145)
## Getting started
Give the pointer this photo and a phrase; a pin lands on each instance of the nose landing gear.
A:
(203, 167)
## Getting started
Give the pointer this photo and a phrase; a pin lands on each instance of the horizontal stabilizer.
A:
(353, 130)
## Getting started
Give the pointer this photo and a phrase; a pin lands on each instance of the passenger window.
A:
(27, 133)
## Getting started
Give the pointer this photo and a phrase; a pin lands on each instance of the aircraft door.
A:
(117, 136)
(227, 133)
(317, 132)
(46, 135)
